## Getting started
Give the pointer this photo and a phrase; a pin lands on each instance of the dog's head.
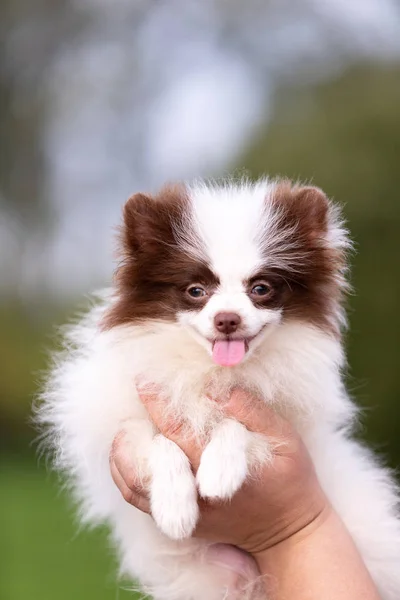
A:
(231, 263)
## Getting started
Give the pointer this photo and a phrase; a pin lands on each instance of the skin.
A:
(281, 518)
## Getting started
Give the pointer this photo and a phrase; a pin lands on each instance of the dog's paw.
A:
(220, 477)
(173, 493)
(175, 515)
(223, 465)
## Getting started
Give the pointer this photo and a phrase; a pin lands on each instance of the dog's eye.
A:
(261, 290)
(196, 292)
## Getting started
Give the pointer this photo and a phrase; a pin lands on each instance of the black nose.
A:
(227, 322)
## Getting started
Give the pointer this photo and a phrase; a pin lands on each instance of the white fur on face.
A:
(255, 321)
(233, 225)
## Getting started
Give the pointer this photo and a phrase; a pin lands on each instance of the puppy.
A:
(219, 286)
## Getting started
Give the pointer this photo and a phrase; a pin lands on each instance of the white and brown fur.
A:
(223, 238)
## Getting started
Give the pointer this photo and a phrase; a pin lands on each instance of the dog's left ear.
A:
(313, 206)
(305, 208)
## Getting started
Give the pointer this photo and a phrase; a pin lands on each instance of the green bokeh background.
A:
(344, 136)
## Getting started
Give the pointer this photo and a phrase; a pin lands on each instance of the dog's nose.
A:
(227, 322)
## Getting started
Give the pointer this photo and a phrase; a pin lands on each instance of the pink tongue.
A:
(228, 352)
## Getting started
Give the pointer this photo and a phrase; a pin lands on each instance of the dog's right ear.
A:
(150, 221)
(140, 214)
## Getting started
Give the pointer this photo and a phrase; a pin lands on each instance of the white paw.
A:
(223, 465)
(175, 516)
(173, 493)
(218, 477)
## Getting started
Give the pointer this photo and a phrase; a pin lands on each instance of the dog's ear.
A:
(150, 222)
(313, 205)
(140, 218)
(305, 208)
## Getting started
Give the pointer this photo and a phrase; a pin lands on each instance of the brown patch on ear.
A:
(303, 206)
(313, 203)
(149, 220)
(155, 270)
(312, 286)
(137, 215)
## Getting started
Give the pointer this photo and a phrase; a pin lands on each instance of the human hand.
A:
(281, 499)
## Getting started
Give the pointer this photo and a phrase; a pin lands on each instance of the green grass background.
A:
(43, 554)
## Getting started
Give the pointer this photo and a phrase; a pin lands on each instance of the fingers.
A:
(255, 414)
(242, 406)
(169, 426)
(125, 476)
(152, 399)
(135, 495)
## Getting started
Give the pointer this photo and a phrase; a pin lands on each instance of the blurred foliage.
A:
(344, 136)
(32, 34)
(25, 338)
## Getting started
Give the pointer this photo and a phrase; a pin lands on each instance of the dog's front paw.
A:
(223, 465)
(176, 516)
(218, 477)
(173, 493)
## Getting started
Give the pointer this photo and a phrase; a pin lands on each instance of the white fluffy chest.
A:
(297, 370)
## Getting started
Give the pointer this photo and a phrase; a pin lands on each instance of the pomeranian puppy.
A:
(219, 286)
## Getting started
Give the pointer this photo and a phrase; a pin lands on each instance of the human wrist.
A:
(274, 561)
(319, 560)
(295, 531)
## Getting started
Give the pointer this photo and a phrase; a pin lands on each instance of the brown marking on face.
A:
(155, 270)
(311, 289)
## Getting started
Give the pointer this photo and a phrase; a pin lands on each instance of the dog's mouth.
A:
(228, 352)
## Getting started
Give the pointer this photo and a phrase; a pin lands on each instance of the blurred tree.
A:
(345, 137)
(99, 98)
(31, 34)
